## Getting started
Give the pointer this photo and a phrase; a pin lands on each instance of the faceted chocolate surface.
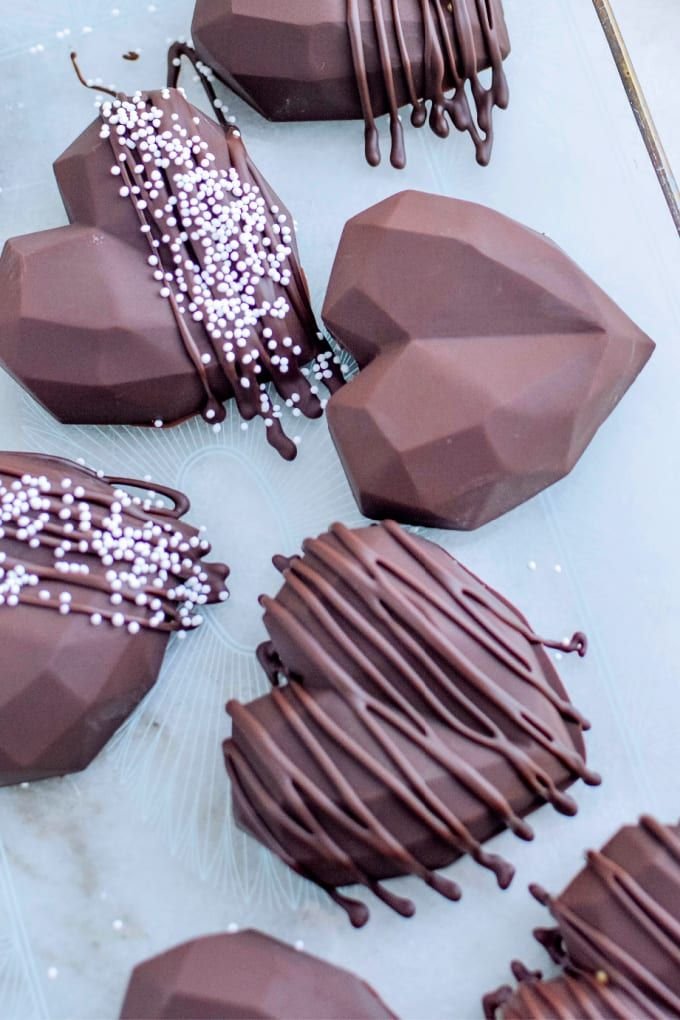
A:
(346, 59)
(176, 288)
(66, 687)
(489, 360)
(621, 914)
(246, 975)
(292, 60)
(617, 935)
(421, 716)
(93, 582)
(566, 998)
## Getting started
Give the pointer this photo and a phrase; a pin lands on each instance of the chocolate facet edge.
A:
(421, 716)
(488, 361)
(617, 935)
(246, 974)
(93, 581)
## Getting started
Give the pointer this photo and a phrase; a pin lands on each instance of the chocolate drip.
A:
(573, 995)
(617, 936)
(75, 542)
(237, 375)
(224, 255)
(651, 917)
(377, 636)
(451, 62)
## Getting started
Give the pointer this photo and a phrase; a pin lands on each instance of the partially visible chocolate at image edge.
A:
(355, 59)
(246, 975)
(617, 936)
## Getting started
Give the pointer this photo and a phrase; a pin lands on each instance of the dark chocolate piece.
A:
(570, 997)
(421, 717)
(617, 935)
(247, 974)
(489, 360)
(177, 288)
(346, 59)
(93, 581)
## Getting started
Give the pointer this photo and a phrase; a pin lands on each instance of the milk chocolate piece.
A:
(345, 59)
(248, 975)
(93, 581)
(489, 360)
(177, 287)
(617, 935)
(421, 716)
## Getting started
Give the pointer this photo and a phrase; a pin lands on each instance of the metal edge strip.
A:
(643, 115)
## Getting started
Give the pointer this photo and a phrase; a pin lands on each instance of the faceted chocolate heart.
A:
(345, 59)
(617, 934)
(246, 974)
(93, 581)
(177, 288)
(489, 360)
(421, 716)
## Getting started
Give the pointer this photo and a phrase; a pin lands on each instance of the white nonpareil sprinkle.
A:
(213, 237)
(107, 540)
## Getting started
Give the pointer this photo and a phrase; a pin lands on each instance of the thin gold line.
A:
(641, 110)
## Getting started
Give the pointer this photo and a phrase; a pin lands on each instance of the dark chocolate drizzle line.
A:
(181, 504)
(661, 928)
(54, 533)
(176, 51)
(246, 168)
(221, 378)
(573, 995)
(247, 400)
(377, 593)
(450, 61)
(83, 80)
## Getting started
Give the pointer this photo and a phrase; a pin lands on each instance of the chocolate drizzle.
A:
(646, 913)
(618, 935)
(74, 542)
(451, 65)
(396, 655)
(223, 253)
(573, 995)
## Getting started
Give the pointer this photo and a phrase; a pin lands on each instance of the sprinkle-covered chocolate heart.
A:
(178, 286)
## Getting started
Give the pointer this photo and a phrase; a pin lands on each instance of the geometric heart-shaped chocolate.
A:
(565, 998)
(489, 360)
(93, 581)
(66, 298)
(177, 288)
(421, 716)
(246, 974)
(340, 60)
(617, 934)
